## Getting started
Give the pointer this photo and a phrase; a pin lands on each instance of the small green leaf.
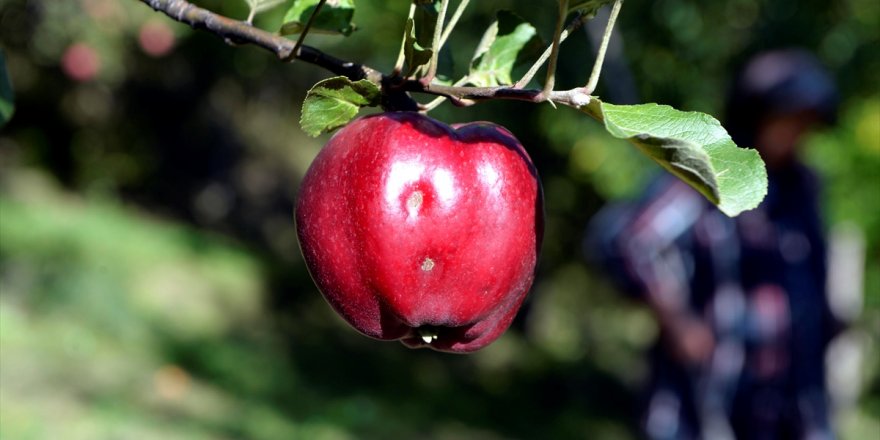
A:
(419, 35)
(426, 16)
(334, 17)
(507, 43)
(693, 146)
(7, 105)
(333, 102)
(415, 55)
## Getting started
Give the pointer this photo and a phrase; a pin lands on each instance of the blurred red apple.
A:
(420, 232)
(156, 38)
(81, 62)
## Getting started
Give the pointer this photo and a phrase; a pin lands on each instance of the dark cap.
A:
(779, 82)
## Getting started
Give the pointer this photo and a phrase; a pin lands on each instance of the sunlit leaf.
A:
(333, 102)
(334, 17)
(507, 42)
(693, 146)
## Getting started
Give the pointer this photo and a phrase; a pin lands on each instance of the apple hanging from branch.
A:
(420, 232)
(429, 234)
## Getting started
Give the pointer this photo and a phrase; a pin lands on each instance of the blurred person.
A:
(740, 302)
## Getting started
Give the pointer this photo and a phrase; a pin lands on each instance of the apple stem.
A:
(427, 334)
(600, 55)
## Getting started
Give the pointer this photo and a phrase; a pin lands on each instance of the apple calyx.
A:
(427, 334)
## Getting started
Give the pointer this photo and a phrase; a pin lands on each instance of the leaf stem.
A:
(576, 23)
(401, 57)
(550, 80)
(453, 21)
(435, 45)
(302, 35)
(603, 47)
(252, 14)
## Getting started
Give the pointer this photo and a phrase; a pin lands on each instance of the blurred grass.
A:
(91, 297)
(116, 324)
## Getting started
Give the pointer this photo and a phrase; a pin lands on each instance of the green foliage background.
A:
(150, 281)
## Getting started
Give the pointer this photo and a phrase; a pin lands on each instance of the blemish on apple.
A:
(414, 201)
(427, 265)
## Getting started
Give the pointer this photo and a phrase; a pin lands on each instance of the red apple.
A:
(420, 232)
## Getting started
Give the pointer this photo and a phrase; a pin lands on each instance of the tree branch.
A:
(239, 32)
(468, 95)
(395, 89)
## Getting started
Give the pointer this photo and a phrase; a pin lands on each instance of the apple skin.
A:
(417, 231)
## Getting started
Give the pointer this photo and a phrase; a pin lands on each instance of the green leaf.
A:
(507, 43)
(426, 15)
(7, 105)
(419, 35)
(415, 55)
(693, 146)
(334, 17)
(333, 102)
